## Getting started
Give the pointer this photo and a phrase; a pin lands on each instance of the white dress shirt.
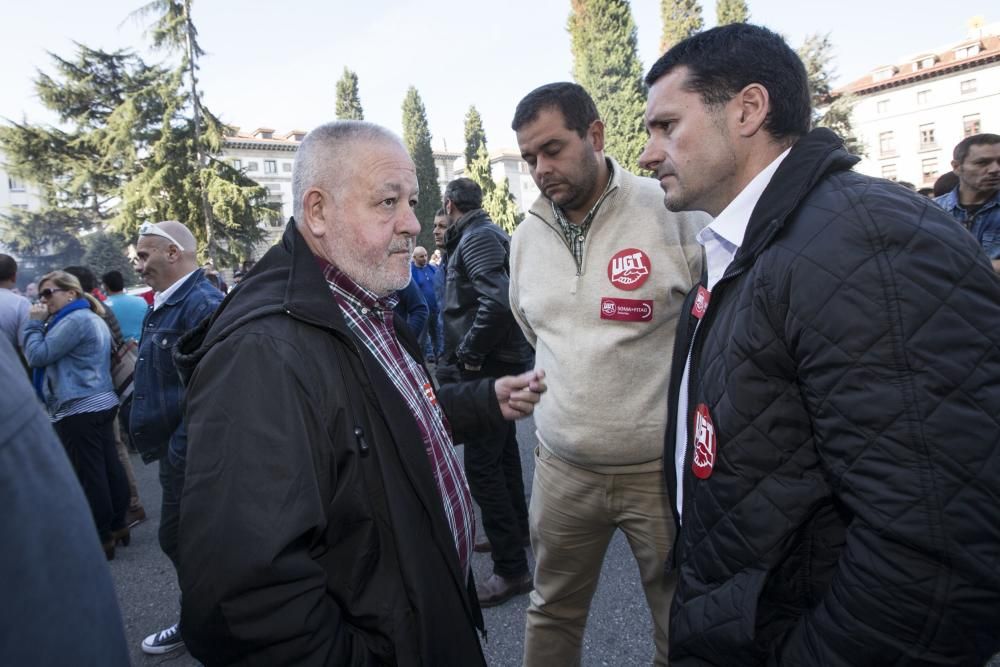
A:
(721, 239)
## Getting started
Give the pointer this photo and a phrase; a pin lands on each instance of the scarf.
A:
(38, 374)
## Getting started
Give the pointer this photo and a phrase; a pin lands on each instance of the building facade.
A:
(910, 115)
(267, 158)
(504, 163)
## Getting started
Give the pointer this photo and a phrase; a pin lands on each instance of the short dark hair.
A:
(945, 183)
(114, 281)
(8, 268)
(962, 149)
(465, 194)
(574, 103)
(88, 281)
(724, 60)
(439, 213)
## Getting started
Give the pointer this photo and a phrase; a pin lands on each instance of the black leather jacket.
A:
(478, 324)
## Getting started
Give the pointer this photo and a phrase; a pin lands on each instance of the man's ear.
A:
(752, 106)
(955, 164)
(596, 134)
(315, 211)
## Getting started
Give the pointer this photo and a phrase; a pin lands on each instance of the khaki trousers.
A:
(573, 515)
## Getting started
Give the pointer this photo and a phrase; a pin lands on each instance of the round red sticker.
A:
(705, 443)
(629, 269)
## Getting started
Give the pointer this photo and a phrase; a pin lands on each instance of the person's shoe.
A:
(135, 516)
(122, 536)
(164, 641)
(497, 590)
(109, 549)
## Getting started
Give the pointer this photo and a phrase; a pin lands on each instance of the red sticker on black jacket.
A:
(705, 443)
(701, 302)
(629, 269)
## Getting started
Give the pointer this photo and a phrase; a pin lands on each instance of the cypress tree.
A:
(681, 19)
(731, 11)
(474, 134)
(498, 202)
(605, 62)
(417, 138)
(348, 100)
(828, 110)
(106, 252)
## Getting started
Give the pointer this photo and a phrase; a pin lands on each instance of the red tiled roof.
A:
(946, 63)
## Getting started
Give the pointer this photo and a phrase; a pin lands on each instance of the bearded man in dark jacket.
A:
(325, 518)
(835, 437)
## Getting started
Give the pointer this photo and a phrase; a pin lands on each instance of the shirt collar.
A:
(359, 297)
(570, 228)
(730, 226)
(160, 298)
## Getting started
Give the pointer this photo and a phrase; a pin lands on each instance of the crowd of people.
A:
(775, 376)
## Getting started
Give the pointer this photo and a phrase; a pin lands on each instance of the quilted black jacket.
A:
(478, 324)
(849, 360)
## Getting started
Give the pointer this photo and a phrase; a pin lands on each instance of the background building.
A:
(910, 115)
(267, 158)
(504, 163)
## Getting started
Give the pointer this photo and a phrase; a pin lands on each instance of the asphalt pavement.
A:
(619, 632)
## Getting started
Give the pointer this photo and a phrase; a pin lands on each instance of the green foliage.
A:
(474, 134)
(605, 62)
(417, 138)
(498, 202)
(828, 110)
(348, 100)
(107, 252)
(45, 240)
(681, 19)
(731, 11)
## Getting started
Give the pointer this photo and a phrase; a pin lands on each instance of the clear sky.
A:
(276, 65)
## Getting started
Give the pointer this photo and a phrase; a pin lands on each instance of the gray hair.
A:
(324, 156)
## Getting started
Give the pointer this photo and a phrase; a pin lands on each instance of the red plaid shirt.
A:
(370, 319)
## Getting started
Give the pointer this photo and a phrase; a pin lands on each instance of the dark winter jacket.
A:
(849, 361)
(312, 531)
(478, 324)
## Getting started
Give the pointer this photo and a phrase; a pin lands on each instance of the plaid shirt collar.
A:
(361, 299)
(576, 234)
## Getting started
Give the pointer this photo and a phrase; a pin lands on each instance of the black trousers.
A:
(172, 483)
(89, 440)
(493, 468)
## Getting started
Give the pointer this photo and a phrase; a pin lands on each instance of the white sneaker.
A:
(164, 641)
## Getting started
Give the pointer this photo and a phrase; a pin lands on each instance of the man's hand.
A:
(517, 394)
(38, 311)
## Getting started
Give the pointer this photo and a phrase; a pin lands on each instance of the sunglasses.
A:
(49, 291)
(150, 229)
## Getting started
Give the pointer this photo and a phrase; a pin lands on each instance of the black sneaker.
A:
(163, 641)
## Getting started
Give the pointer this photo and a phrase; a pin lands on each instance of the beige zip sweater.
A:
(605, 336)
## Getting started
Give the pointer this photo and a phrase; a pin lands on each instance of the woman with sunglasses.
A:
(68, 345)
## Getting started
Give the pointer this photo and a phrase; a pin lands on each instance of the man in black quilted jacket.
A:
(835, 397)
(482, 340)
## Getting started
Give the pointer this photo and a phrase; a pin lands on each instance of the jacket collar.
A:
(474, 218)
(185, 288)
(812, 158)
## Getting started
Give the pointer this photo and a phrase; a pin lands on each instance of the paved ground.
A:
(619, 632)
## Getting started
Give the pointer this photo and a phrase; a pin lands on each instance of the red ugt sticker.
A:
(701, 302)
(704, 443)
(629, 269)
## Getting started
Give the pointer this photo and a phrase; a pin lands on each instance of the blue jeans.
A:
(432, 338)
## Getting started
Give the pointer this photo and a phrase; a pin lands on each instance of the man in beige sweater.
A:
(598, 273)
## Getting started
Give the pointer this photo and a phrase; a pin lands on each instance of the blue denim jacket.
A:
(156, 421)
(985, 226)
(76, 356)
